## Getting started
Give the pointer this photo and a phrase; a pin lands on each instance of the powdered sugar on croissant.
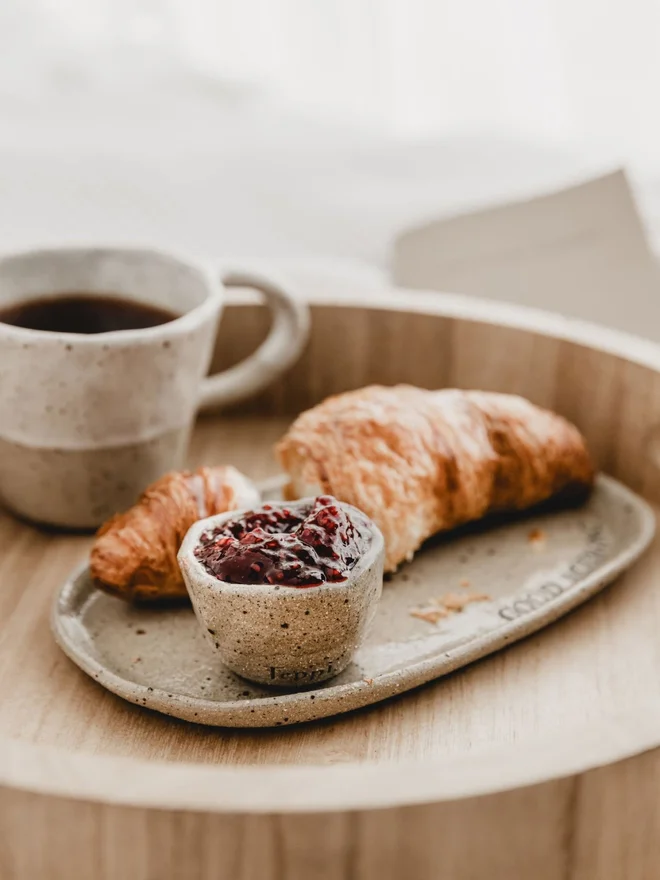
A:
(418, 462)
(134, 554)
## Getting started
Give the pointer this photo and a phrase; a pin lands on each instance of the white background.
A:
(286, 128)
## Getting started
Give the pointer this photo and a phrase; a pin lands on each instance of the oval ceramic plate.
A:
(463, 596)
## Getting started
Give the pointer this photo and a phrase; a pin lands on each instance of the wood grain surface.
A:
(584, 692)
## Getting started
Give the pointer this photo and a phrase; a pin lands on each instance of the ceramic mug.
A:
(88, 420)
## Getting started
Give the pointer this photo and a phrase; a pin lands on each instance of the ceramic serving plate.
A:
(517, 577)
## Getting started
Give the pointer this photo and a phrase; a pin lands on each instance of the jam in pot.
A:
(295, 545)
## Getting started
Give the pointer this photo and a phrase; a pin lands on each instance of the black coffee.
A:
(84, 313)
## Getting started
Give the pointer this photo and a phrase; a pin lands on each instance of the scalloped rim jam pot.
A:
(281, 635)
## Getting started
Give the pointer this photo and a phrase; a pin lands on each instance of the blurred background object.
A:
(580, 251)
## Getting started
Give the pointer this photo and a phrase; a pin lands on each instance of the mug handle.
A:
(277, 352)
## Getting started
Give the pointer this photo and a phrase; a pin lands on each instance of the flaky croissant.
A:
(419, 462)
(134, 553)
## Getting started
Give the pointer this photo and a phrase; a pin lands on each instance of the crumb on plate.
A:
(536, 538)
(456, 602)
(430, 615)
(450, 603)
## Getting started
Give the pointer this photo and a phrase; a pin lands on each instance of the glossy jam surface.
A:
(292, 545)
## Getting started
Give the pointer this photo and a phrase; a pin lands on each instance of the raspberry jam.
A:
(294, 545)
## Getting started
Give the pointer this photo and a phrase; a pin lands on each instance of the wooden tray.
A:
(502, 753)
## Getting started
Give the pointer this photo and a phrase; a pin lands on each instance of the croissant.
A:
(419, 462)
(134, 553)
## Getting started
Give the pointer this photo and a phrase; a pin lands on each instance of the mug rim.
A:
(180, 325)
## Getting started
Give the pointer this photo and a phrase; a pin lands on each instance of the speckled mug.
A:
(87, 421)
(284, 636)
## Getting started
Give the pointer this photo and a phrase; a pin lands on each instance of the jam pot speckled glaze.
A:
(284, 635)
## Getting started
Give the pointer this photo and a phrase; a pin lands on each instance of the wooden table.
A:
(540, 761)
